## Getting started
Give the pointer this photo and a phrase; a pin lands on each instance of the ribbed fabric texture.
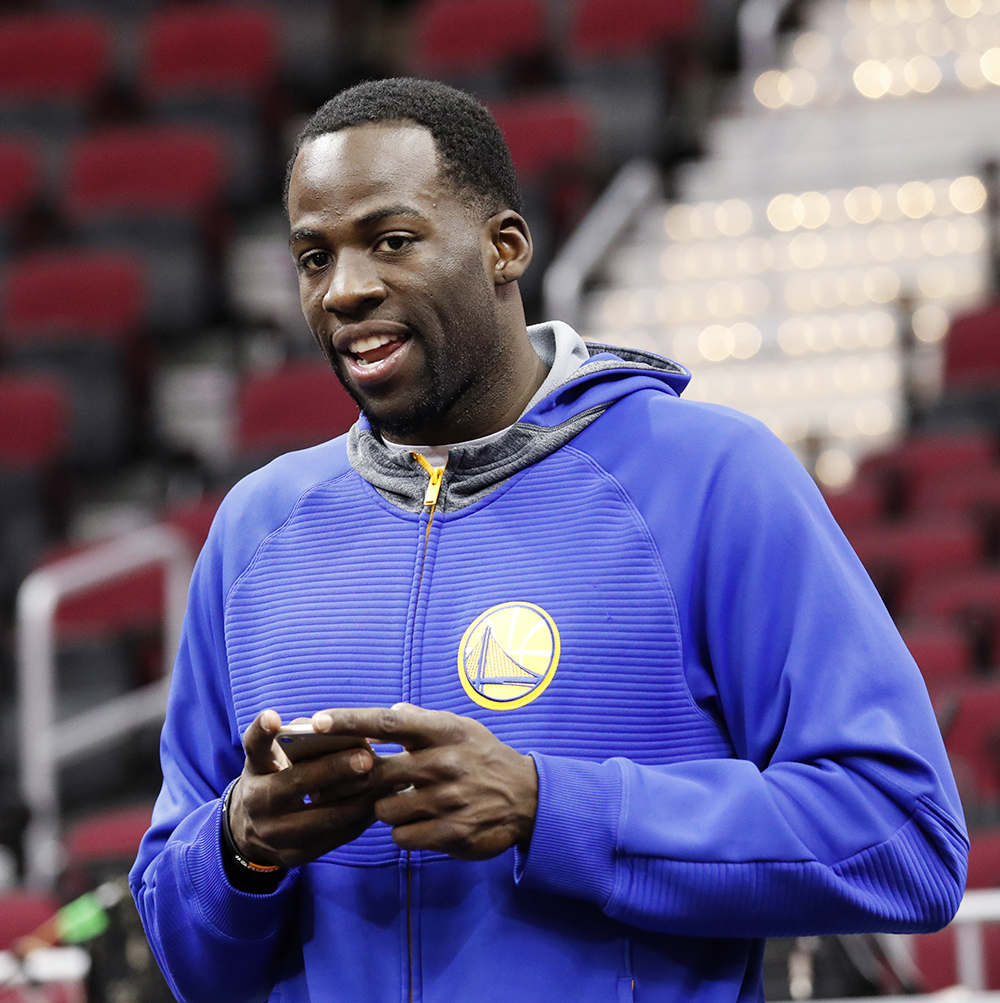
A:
(235, 914)
(897, 884)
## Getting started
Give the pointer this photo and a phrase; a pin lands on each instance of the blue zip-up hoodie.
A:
(646, 594)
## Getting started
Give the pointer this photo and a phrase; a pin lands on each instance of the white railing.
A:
(633, 187)
(45, 743)
(978, 907)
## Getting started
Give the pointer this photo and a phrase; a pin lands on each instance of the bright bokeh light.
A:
(990, 65)
(834, 468)
(967, 194)
(863, 204)
(733, 218)
(812, 50)
(922, 74)
(963, 8)
(930, 323)
(873, 78)
(969, 70)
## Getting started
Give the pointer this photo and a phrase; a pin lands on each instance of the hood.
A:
(474, 471)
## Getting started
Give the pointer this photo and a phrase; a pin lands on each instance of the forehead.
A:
(353, 170)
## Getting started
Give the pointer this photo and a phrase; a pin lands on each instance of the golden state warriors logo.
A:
(508, 655)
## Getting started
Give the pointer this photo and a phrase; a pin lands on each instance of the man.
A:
(650, 708)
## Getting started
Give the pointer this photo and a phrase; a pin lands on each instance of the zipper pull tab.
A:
(434, 484)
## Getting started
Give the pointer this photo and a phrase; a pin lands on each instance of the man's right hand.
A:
(288, 814)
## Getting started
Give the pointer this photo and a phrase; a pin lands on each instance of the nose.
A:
(354, 285)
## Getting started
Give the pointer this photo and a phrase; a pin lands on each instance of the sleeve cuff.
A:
(572, 849)
(234, 913)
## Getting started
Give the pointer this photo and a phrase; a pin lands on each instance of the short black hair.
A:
(473, 151)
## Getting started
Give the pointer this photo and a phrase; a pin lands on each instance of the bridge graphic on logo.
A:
(508, 655)
(489, 665)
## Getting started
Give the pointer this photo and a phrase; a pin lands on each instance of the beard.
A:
(458, 373)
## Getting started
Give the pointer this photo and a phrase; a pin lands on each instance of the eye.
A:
(394, 242)
(313, 260)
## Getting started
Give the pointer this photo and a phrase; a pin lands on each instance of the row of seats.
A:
(294, 406)
(924, 518)
(226, 47)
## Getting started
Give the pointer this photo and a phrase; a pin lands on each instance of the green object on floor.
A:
(81, 920)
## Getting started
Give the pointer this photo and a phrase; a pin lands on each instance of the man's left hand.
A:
(460, 790)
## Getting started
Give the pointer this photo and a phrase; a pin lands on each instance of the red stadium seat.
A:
(941, 652)
(33, 421)
(155, 191)
(935, 957)
(971, 600)
(112, 834)
(101, 295)
(972, 738)
(144, 170)
(193, 519)
(900, 556)
(984, 859)
(863, 502)
(84, 334)
(19, 179)
(210, 48)
(473, 36)
(545, 134)
(214, 65)
(611, 28)
(910, 469)
(299, 405)
(53, 56)
(34, 435)
(133, 603)
(102, 845)
(22, 912)
(972, 351)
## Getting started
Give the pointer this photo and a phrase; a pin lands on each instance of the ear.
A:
(509, 251)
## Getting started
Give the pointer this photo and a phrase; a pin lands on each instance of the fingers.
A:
(257, 742)
(410, 726)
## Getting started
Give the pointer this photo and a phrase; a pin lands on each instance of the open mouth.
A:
(374, 348)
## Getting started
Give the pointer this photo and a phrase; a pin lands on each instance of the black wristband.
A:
(241, 877)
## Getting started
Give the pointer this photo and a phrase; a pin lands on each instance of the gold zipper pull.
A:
(434, 484)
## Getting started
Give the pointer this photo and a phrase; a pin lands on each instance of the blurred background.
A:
(797, 199)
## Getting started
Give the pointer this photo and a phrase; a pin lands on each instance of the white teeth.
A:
(367, 344)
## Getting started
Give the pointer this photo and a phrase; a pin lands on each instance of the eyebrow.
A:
(375, 216)
(387, 212)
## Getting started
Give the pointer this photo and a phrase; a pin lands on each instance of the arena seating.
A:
(612, 28)
(298, 405)
(903, 474)
(19, 185)
(77, 315)
(474, 41)
(942, 654)
(934, 953)
(901, 555)
(51, 60)
(968, 598)
(153, 190)
(34, 432)
(973, 356)
(22, 912)
(102, 843)
(214, 65)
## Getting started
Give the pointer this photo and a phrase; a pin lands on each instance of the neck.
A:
(497, 400)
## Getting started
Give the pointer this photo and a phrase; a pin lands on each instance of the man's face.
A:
(393, 277)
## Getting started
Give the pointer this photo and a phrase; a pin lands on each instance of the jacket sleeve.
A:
(212, 942)
(838, 812)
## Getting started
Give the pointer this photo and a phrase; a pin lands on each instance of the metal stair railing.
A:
(45, 743)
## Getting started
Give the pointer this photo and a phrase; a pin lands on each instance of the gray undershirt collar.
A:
(558, 346)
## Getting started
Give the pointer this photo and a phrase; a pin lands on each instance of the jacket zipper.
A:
(435, 475)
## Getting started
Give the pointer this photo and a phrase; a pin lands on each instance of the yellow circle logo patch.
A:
(508, 655)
